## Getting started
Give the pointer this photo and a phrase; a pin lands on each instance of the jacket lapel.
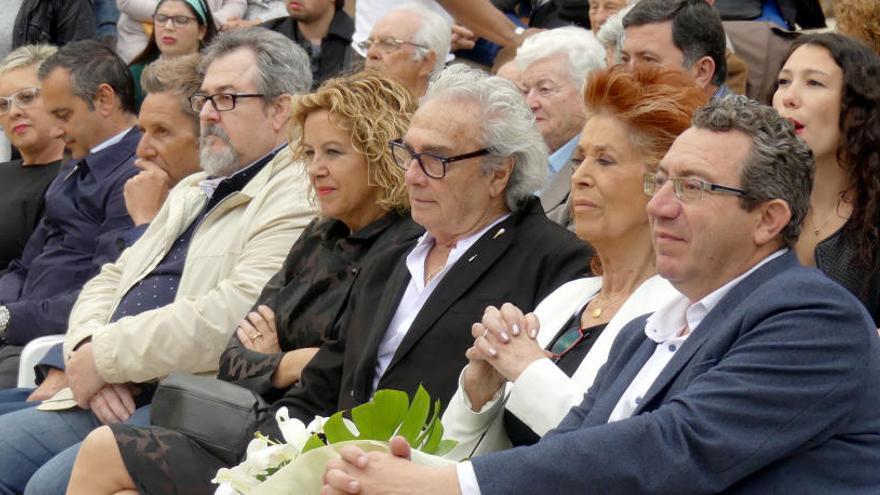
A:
(714, 322)
(463, 274)
(397, 284)
(556, 192)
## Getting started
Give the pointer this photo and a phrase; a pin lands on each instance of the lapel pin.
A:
(472, 258)
(500, 231)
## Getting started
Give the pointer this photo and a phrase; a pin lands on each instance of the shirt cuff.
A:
(54, 358)
(467, 478)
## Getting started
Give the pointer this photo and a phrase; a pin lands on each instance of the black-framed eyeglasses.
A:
(222, 102)
(22, 99)
(687, 188)
(387, 45)
(433, 165)
(568, 341)
(177, 20)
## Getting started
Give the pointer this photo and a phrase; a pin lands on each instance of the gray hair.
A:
(611, 33)
(435, 32)
(282, 66)
(26, 56)
(779, 164)
(178, 75)
(507, 126)
(581, 47)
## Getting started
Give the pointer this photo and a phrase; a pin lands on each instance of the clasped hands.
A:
(504, 346)
(110, 402)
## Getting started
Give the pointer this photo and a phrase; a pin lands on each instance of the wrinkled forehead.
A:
(555, 68)
(400, 25)
(709, 155)
(445, 126)
(235, 71)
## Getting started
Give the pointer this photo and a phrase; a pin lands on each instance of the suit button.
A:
(351, 394)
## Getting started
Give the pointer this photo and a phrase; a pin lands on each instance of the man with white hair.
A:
(555, 64)
(409, 44)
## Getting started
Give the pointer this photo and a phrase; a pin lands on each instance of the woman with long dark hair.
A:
(829, 88)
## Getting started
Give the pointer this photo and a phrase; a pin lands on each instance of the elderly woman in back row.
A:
(517, 387)
(342, 130)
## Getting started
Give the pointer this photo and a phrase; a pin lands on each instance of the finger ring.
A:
(485, 333)
(257, 335)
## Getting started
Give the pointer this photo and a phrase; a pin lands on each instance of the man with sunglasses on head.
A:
(172, 300)
(761, 377)
(408, 44)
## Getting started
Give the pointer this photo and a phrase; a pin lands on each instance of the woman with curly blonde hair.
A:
(341, 134)
(859, 19)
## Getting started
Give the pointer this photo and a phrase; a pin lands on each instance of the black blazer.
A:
(521, 260)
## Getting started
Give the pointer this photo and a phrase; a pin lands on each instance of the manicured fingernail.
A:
(352, 486)
(515, 329)
(505, 337)
(492, 351)
(533, 333)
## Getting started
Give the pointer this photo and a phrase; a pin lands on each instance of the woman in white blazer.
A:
(526, 371)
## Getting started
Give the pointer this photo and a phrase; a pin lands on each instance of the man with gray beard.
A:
(172, 300)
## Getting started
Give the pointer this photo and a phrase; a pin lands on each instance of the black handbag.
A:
(220, 416)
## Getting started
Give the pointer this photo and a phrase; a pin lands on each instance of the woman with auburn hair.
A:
(829, 87)
(859, 19)
(520, 384)
(340, 133)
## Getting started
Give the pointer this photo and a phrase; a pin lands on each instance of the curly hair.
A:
(859, 19)
(859, 149)
(656, 104)
(375, 110)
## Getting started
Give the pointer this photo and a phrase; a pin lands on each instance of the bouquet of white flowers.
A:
(296, 465)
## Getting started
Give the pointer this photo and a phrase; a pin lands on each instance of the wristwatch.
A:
(4, 322)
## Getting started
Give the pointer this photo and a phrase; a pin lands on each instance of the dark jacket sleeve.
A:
(34, 318)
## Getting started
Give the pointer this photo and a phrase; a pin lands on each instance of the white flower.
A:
(261, 456)
(293, 430)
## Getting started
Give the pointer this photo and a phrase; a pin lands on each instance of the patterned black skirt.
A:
(163, 461)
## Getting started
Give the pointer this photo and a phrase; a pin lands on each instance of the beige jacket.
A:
(239, 245)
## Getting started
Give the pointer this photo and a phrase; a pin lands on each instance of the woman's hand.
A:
(509, 340)
(257, 331)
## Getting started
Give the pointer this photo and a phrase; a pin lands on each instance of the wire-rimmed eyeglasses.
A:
(687, 188)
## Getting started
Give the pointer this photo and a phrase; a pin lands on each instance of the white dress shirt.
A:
(663, 327)
(417, 293)
(109, 142)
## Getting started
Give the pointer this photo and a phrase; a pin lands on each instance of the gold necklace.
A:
(597, 312)
(430, 276)
(817, 230)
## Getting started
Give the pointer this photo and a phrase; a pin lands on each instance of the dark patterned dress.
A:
(309, 297)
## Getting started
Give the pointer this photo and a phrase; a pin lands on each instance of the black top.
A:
(838, 257)
(518, 432)
(330, 57)
(312, 288)
(23, 203)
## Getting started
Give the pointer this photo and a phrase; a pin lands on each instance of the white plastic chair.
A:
(31, 355)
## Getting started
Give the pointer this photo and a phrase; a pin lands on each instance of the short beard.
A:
(221, 163)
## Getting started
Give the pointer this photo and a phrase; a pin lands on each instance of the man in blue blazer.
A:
(763, 377)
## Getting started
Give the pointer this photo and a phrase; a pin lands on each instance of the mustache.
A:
(213, 130)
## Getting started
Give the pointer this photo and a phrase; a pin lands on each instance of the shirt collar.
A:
(110, 142)
(721, 92)
(670, 318)
(562, 156)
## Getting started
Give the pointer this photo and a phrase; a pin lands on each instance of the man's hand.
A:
(462, 38)
(146, 192)
(380, 472)
(112, 404)
(239, 23)
(83, 376)
(55, 381)
(257, 331)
